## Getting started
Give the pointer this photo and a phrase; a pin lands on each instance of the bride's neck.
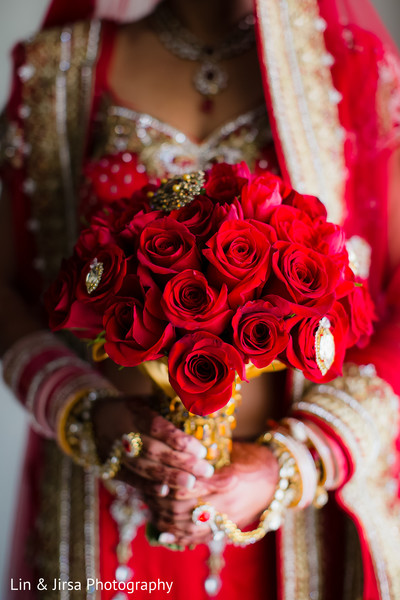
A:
(210, 19)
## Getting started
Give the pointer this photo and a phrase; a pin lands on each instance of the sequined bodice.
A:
(163, 149)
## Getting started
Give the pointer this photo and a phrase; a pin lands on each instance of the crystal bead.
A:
(334, 96)
(64, 65)
(275, 505)
(29, 186)
(321, 498)
(274, 521)
(212, 585)
(123, 573)
(39, 264)
(26, 72)
(320, 24)
(180, 138)
(33, 225)
(328, 60)
(24, 111)
(284, 484)
(65, 36)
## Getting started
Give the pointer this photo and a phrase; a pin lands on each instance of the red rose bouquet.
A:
(215, 271)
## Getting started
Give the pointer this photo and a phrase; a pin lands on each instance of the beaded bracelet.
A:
(79, 436)
(288, 493)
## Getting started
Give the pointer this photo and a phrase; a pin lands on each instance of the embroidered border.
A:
(304, 100)
(58, 61)
(371, 494)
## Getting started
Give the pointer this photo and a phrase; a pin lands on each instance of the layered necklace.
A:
(210, 78)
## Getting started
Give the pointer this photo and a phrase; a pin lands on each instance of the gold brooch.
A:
(93, 278)
(324, 346)
(177, 192)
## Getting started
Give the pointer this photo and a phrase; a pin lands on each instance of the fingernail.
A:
(164, 491)
(203, 469)
(197, 449)
(191, 482)
(167, 538)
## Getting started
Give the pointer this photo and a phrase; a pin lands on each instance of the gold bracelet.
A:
(78, 431)
(286, 493)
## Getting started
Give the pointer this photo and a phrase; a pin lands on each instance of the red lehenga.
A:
(333, 100)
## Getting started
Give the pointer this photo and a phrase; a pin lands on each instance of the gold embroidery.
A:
(304, 100)
(359, 256)
(67, 527)
(388, 100)
(300, 555)
(363, 411)
(162, 149)
(52, 95)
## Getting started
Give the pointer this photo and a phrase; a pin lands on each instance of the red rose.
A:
(114, 264)
(303, 276)
(167, 247)
(301, 348)
(309, 204)
(292, 225)
(259, 332)
(134, 335)
(61, 293)
(202, 371)
(224, 182)
(196, 216)
(129, 228)
(92, 239)
(64, 311)
(190, 303)
(259, 196)
(330, 239)
(240, 256)
(361, 310)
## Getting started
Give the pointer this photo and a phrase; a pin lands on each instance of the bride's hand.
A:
(169, 459)
(241, 490)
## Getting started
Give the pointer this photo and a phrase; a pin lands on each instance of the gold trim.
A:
(68, 526)
(300, 556)
(54, 94)
(363, 410)
(304, 101)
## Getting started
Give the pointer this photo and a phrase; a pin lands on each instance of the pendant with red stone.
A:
(207, 105)
(203, 514)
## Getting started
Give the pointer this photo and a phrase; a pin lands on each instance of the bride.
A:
(309, 90)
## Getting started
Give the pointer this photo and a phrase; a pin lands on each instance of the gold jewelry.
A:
(299, 466)
(132, 444)
(76, 434)
(112, 465)
(286, 493)
(211, 78)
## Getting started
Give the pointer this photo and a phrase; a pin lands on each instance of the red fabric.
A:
(65, 11)
(248, 572)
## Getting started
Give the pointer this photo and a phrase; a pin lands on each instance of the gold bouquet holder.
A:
(215, 430)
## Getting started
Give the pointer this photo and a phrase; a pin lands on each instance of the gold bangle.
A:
(272, 517)
(62, 430)
(77, 431)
